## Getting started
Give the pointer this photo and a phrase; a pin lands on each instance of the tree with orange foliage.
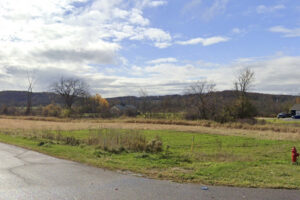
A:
(95, 105)
(100, 101)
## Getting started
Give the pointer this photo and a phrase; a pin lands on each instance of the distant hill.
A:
(224, 95)
(266, 104)
(19, 98)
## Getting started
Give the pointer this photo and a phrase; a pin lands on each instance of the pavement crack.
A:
(20, 154)
(11, 171)
(24, 163)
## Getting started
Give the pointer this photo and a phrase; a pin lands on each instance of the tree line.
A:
(204, 104)
(72, 98)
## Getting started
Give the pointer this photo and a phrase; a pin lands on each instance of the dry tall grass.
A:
(110, 140)
(267, 131)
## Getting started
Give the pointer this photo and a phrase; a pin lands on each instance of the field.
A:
(217, 154)
(282, 121)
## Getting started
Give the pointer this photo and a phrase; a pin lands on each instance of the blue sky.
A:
(161, 46)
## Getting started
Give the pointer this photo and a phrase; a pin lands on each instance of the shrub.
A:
(72, 141)
(93, 106)
(4, 109)
(12, 110)
(154, 145)
(244, 109)
(51, 110)
(66, 113)
(114, 141)
(226, 115)
(191, 115)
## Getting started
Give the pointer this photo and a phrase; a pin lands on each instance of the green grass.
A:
(280, 121)
(214, 159)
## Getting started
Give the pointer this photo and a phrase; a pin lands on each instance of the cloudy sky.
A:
(162, 46)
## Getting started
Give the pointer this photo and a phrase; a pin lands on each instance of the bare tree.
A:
(70, 89)
(145, 103)
(30, 81)
(143, 92)
(244, 81)
(200, 98)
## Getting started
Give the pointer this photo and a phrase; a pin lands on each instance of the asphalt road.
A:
(30, 175)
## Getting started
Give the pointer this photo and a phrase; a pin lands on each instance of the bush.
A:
(4, 109)
(154, 145)
(114, 141)
(226, 115)
(94, 106)
(72, 141)
(66, 113)
(244, 108)
(191, 115)
(10, 110)
(51, 110)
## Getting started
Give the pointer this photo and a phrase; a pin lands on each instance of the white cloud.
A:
(158, 35)
(218, 7)
(286, 31)
(150, 3)
(159, 76)
(262, 9)
(207, 10)
(205, 64)
(238, 31)
(204, 41)
(278, 75)
(56, 38)
(160, 38)
(60, 21)
(162, 45)
(163, 60)
(157, 3)
(137, 18)
(71, 38)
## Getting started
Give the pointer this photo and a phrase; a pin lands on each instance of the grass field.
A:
(198, 156)
(281, 121)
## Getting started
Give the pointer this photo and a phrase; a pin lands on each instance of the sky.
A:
(120, 47)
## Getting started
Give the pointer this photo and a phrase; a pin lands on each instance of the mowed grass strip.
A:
(186, 157)
(284, 121)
